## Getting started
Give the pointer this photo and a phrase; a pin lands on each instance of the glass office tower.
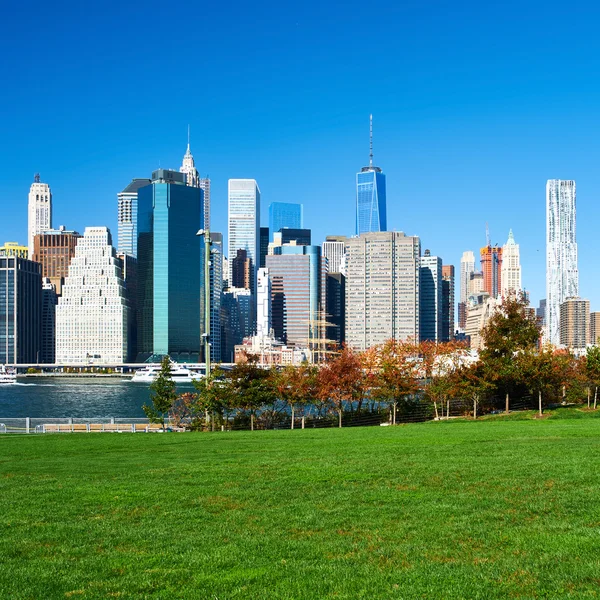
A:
(284, 215)
(370, 201)
(170, 272)
(20, 310)
(370, 196)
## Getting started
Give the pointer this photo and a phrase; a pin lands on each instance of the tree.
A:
(541, 373)
(341, 380)
(210, 397)
(248, 387)
(469, 381)
(512, 329)
(592, 369)
(449, 358)
(163, 394)
(295, 385)
(397, 375)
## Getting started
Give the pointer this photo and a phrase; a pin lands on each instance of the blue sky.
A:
(475, 106)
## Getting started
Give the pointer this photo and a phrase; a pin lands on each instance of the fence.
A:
(278, 417)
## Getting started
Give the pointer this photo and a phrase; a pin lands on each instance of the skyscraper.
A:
(48, 339)
(575, 323)
(370, 196)
(20, 310)
(562, 276)
(193, 179)
(382, 288)
(334, 248)
(264, 246)
(430, 298)
(92, 316)
(467, 266)
(54, 249)
(302, 237)
(14, 249)
(298, 290)
(511, 267)
(170, 276)
(39, 210)
(244, 222)
(491, 266)
(127, 201)
(447, 303)
(285, 215)
(263, 303)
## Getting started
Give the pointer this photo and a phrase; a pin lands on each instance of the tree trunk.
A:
(251, 421)
(437, 416)
(394, 414)
(507, 404)
(540, 401)
(595, 397)
(303, 421)
(474, 407)
(588, 391)
(339, 417)
(292, 417)
(564, 394)
(447, 409)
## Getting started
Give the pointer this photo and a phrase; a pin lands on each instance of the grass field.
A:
(489, 509)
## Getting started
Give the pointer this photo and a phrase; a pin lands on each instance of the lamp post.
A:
(206, 335)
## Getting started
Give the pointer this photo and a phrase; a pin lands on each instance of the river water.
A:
(87, 398)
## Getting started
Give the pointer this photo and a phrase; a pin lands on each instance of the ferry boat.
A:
(178, 373)
(7, 375)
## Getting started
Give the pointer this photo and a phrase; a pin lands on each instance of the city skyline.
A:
(454, 114)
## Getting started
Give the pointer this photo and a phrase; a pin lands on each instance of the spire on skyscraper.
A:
(371, 140)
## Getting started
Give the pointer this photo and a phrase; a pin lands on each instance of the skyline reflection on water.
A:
(76, 397)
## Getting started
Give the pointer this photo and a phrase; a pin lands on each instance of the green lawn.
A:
(487, 509)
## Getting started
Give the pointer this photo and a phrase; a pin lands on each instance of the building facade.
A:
(594, 328)
(92, 315)
(48, 336)
(430, 298)
(575, 323)
(39, 211)
(169, 268)
(467, 266)
(263, 304)
(298, 294)
(336, 308)
(127, 205)
(491, 267)
(302, 237)
(562, 275)
(285, 215)
(447, 303)
(511, 267)
(20, 310)
(382, 288)
(244, 222)
(264, 246)
(14, 249)
(54, 249)
(334, 249)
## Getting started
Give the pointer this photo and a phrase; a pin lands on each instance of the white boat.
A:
(7, 375)
(179, 373)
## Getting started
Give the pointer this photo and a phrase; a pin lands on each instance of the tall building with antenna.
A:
(193, 179)
(370, 195)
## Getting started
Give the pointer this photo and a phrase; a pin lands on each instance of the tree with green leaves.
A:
(248, 387)
(514, 328)
(542, 373)
(592, 370)
(163, 394)
(210, 397)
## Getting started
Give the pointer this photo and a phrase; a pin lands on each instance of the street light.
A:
(206, 335)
